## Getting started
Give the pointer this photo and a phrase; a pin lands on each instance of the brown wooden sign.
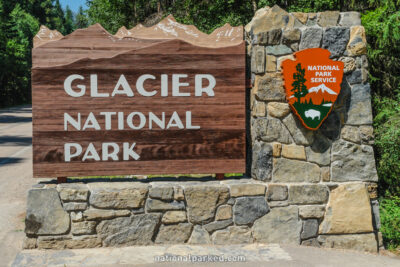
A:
(161, 100)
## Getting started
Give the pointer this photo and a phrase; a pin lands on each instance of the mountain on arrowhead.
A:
(320, 94)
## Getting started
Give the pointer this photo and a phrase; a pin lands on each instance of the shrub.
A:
(390, 220)
(387, 143)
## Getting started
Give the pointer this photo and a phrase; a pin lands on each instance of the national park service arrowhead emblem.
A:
(312, 84)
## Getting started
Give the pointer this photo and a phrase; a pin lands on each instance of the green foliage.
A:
(209, 16)
(106, 14)
(206, 15)
(19, 22)
(81, 20)
(387, 143)
(390, 221)
(68, 21)
(382, 26)
(16, 57)
(58, 19)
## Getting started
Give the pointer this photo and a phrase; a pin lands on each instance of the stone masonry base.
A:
(236, 211)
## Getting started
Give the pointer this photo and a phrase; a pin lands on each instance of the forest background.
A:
(20, 21)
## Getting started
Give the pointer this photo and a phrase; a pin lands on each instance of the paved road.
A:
(16, 179)
(271, 255)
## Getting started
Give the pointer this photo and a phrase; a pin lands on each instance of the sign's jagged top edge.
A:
(168, 46)
(168, 28)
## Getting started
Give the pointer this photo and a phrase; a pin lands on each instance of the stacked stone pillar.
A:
(330, 174)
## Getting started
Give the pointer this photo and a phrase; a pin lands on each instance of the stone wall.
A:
(314, 188)
(234, 211)
(329, 170)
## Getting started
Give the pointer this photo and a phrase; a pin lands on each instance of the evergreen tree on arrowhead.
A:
(299, 87)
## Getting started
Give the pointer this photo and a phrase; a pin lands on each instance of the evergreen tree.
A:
(16, 57)
(81, 20)
(58, 17)
(42, 10)
(69, 25)
(299, 87)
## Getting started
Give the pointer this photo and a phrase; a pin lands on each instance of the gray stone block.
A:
(83, 228)
(361, 242)
(270, 87)
(331, 126)
(352, 162)
(289, 171)
(117, 195)
(360, 111)
(291, 36)
(217, 225)
(277, 192)
(262, 161)
(375, 214)
(73, 206)
(247, 209)
(101, 214)
(73, 192)
(281, 225)
(128, 231)
(328, 18)
(44, 213)
(308, 194)
(310, 229)
(258, 59)
(311, 38)
(320, 151)
(159, 205)
(354, 77)
(300, 134)
(274, 131)
(313, 211)
(162, 192)
(202, 202)
(174, 234)
(199, 236)
(232, 235)
(348, 19)
(335, 40)
(278, 50)
(272, 37)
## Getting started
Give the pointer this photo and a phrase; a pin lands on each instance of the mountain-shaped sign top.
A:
(312, 84)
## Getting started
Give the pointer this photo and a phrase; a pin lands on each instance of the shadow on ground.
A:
(7, 140)
(14, 119)
(7, 160)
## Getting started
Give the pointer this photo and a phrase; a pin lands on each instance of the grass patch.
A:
(390, 221)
